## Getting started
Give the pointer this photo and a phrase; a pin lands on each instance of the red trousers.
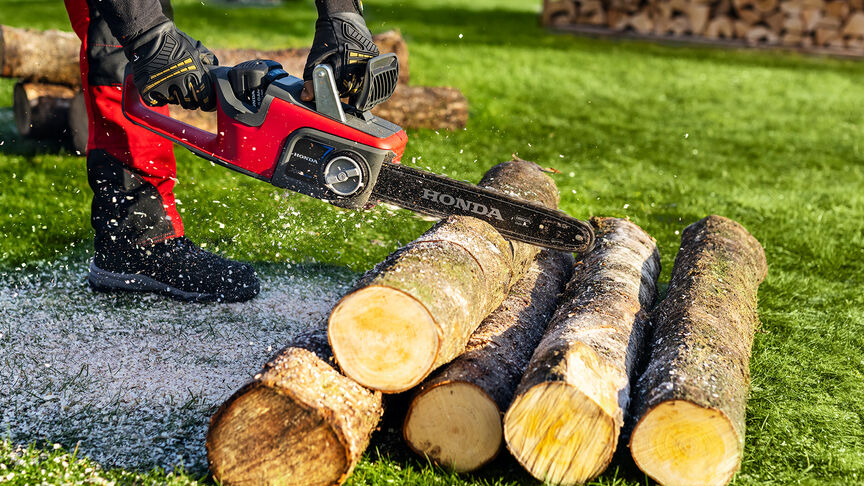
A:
(131, 170)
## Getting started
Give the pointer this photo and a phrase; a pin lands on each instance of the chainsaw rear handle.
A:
(278, 138)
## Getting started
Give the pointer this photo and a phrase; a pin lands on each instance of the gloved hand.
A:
(171, 67)
(343, 41)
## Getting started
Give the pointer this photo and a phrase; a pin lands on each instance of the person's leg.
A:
(138, 232)
(131, 170)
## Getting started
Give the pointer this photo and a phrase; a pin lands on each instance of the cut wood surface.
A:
(455, 417)
(49, 56)
(42, 110)
(416, 310)
(298, 421)
(690, 401)
(568, 411)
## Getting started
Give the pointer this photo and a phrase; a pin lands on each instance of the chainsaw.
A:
(339, 152)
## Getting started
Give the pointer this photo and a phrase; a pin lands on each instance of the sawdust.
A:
(135, 378)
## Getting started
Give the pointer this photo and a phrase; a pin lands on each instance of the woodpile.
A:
(690, 401)
(47, 61)
(832, 26)
(463, 299)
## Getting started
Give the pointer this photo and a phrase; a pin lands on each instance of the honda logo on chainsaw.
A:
(470, 206)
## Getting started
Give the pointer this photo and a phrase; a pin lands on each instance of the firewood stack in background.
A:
(829, 26)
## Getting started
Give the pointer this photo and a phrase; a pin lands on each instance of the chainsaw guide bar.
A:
(439, 196)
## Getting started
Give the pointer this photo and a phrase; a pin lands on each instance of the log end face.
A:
(383, 338)
(265, 437)
(681, 443)
(455, 424)
(559, 434)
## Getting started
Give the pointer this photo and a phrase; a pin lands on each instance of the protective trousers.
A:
(130, 170)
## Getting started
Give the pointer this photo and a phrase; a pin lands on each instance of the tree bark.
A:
(570, 406)
(690, 401)
(42, 110)
(49, 56)
(298, 421)
(416, 310)
(455, 417)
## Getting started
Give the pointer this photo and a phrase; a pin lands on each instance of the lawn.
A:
(663, 135)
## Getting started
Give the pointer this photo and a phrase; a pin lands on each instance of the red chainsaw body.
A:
(249, 148)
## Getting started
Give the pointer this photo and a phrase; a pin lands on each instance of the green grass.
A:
(662, 135)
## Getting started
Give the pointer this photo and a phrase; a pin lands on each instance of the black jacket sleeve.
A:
(128, 18)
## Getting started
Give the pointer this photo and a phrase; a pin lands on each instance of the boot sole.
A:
(105, 281)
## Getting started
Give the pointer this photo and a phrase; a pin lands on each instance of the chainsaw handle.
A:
(142, 115)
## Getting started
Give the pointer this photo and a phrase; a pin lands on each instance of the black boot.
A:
(175, 267)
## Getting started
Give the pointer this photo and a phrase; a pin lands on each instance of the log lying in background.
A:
(570, 406)
(42, 110)
(455, 417)
(298, 421)
(49, 56)
(690, 400)
(416, 310)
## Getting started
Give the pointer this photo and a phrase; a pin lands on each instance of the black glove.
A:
(171, 67)
(343, 41)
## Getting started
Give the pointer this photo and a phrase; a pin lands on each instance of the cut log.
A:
(570, 406)
(416, 310)
(719, 27)
(455, 417)
(761, 35)
(42, 110)
(810, 17)
(690, 400)
(642, 22)
(298, 421)
(49, 56)
(854, 26)
(78, 124)
(558, 12)
(698, 15)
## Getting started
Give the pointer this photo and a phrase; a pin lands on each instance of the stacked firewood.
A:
(48, 103)
(822, 25)
(498, 344)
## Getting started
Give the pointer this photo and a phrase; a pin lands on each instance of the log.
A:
(52, 56)
(761, 35)
(41, 110)
(558, 12)
(416, 310)
(455, 417)
(570, 406)
(698, 15)
(49, 56)
(690, 401)
(641, 22)
(719, 27)
(298, 421)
